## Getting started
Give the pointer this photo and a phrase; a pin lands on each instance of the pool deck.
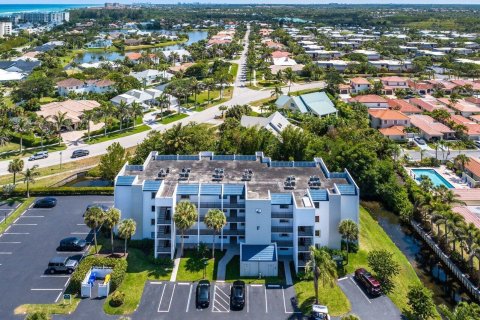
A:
(447, 174)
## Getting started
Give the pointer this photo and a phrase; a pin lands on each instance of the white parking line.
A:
(16, 232)
(79, 232)
(221, 301)
(58, 297)
(27, 216)
(49, 276)
(5, 253)
(171, 298)
(46, 289)
(248, 297)
(25, 224)
(81, 224)
(66, 283)
(189, 297)
(10, 242)
(266, 301)
(156, 282)
(356, 285)
(344, 278)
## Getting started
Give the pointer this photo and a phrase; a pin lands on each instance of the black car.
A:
(203, 294)
(45, 203)
(80, 153)
(237, 295)
(96, 205)
(72, 244)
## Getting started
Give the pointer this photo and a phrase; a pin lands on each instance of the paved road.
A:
(441, 154)
(241, 95)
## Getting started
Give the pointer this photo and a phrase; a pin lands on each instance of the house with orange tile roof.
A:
(74, 110)
(476, 118)
(280, 54)
(445, 85)
(359, 84)
(471, 214)
(471, 173)
(386, 118)
(465, 108)
(431, 129)
(371, 101)
(403, 106)
(471, 196)
(396, 133)
(420, 87)
(429, 104)
(473, 128)
(474, 100)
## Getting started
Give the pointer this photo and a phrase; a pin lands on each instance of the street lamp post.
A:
(205, 268)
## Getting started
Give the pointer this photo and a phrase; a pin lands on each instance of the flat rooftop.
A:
(266, 175)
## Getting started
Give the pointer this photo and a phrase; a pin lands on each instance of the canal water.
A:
(88, 182)
(428, 267)
(88, 57)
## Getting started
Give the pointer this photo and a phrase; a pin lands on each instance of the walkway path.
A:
(231, 252)
(176, 264)
(288, 273)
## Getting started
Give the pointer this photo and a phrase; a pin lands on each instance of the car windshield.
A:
(238, 292)
(203, 292)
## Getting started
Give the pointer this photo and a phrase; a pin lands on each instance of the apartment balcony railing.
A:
(285, 215)
(234, 205)
(208, 232)
(303, 248)
(305, 232)
(282, 229)
(236, 219)
(210, 205)
(163, 220)
(284, 244)
(163, 249)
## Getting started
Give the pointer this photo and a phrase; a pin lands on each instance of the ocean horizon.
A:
(9, 9)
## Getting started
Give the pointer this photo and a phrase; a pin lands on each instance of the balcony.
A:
(164, 220)
(234, 205)
(284, 215)
(284, 244)
(210, 205)
(164, 232)
(282, 229)
(236, 219)
(305, 231)
(208, 232)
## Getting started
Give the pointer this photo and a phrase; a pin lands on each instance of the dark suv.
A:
(80, 153)
(371, 285)
(203, 294)
(237, 295)
(47, 202)
(72, 244)
(62, 265)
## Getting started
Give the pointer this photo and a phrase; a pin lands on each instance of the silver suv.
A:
(62, 265)
(38, 155)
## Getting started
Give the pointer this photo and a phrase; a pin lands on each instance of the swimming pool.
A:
(436, 178)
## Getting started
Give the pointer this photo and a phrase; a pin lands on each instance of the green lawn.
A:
(191, 266)
(234, 69)
(116, 135)
(13, 150)
(202, 97)
(25, 203)
(173, 118)
(233, 273)
(140, 269)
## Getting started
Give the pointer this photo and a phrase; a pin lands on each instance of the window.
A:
(152, 195)
(258, 227)
(317, 233)
(284, 235)
(152, 235)
(185, 237)
(284, 220)
(242, 197)
(283, 249)
(242, 224)
(153, 208)
(184, 196)
(242, 210)
(225, 197)
(284, 206)
(152, 222)
(317, 204)
(317, 218)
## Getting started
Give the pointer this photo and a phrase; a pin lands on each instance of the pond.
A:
(88, 57)
(428, 267)
(88, 182)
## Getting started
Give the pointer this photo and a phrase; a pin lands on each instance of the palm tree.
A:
(60, 121)
(215, 219)
(4, 136)
(290, 76)
(16, 165)
(126, 230)
(462, 160)
(322, 267)
(223, 77)
(94, 218)
(209, 84)
(184, 217)
(122, 112)
(29, 176)
(276, 92)
(195, 85)
(22, 126)
(105, 111)
(112, 217)
(163, 101)
(349, 231)
(135, 110)
(43, 128)
(87, 117)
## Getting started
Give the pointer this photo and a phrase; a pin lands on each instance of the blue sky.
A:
(242, 1)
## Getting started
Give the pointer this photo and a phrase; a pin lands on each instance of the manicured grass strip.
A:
(116, 135)
(140, 269)
(173, 118)
(15, 214)
(233, 273)
(54, 308)
(191, 267)
(14, 150)
(234, 69)
(332, 297)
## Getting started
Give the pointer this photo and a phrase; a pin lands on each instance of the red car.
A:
(368, 281)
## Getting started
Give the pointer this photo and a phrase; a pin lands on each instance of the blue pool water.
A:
(436, 178)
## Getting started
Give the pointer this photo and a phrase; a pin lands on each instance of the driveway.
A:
(30, 242)
(366, 307)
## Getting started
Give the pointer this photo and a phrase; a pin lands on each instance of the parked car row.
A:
(44, 154)
(237, 295)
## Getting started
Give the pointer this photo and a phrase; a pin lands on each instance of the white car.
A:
(319, 312)
(38, 155)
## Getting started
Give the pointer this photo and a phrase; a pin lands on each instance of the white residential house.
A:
(150, 76)
(392, 65)
(66, 86)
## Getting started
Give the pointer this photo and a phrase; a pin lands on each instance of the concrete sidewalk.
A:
(222, 264)
(176, 264)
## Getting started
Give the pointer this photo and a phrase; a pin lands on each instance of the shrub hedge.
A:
(65, 191)
(119, 267)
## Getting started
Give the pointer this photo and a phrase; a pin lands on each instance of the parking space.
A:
(365, 306)
(177, 300)
(30, 242)
(6, 209)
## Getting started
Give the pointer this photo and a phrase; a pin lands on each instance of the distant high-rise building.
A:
(43, 17)
(5, 28)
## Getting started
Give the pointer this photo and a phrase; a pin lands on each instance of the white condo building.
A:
(275, 209)
(5, 28)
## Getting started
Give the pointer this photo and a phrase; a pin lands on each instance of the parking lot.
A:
(365, 306)
(30, 242)
(6, 209)
(176, 300)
